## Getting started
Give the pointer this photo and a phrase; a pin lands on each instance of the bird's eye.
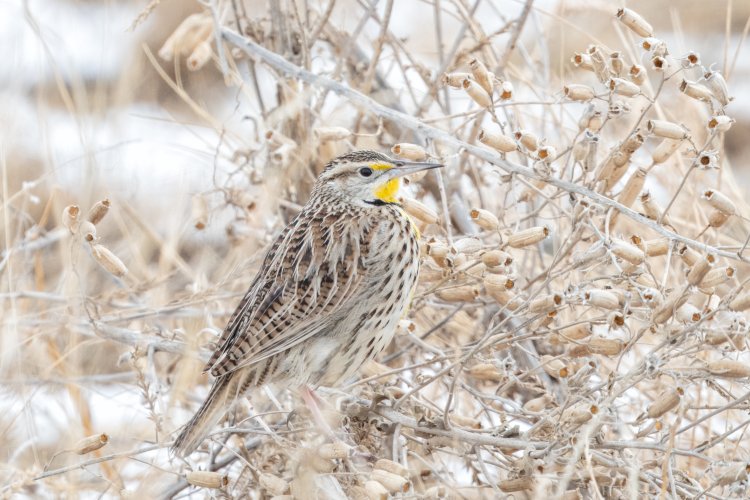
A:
(365, 171)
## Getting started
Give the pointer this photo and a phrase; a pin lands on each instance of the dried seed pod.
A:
(718, 86)
(409, 151)
(497, 140)
(598, 61)
(498, 283)
(695, 90)
(200, 56)
(484, 219)
(666, 401)
(545, 303)
(624, 87)
(336, 450)
(602, 298)
(659, 63)
(454, 80)
(637, 74)
(376, 491)
(456, 260)
(627, 252)
(717, 218)
(392, 467)
(522, 483)
(325, 134)
(461, 293)
(688, 255)
(582, 60)
(690, 60)
(616, 63)
(728, 368)
(273, 484)
(481, 75)
(70, 218)
(537, 405)
(717, 276)
(688, 313)
(635, 22)
(87, 231)
(199, 208)
(632, 188)
(485, 371)
(667, 310)
(719, 201)
(699, 270)
(668, 130)
(438, 251)
(664, 150)
(527, 139)
(653, 44)
(90, 443)
(573, 333)
(528, 236)
(108, 260)
(98, 211)
(467, 245)
(741, 302)
(650, 207)
(720, 123)
(192, 31)
(605, 347)
(506, 91)
(419, 210)
(578, 92)
(207, 479)
(477, 93)
(591, 120)
(592, 254)
(554, 367)
(654, 248)
(547, 153)
(494, 258)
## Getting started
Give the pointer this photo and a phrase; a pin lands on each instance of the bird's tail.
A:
(212, 409)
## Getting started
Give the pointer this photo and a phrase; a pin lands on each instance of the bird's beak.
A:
(409, 167)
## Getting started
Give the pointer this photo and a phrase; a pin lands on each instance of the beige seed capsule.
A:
(719, 201)
(688, 255)
(207, 479)
(462, 293)
(718, 86)
(624, 87)
(376, 491)
(493, 258)
(325, 134)
(573, 333)
(496, 140)
(695, 90)
(655, 45)
(485, 371)
(528, 237)
(87, 231)
(108, 260)
(419, 210)
(582, 60)
(518, 484)
(484, 219)
(547, 153)
(468, 245)
(605, 347)
(741, 302)
(627, 252)
(699, 269)
(506, 91)
(409, 151)
(616, 63)
(456, 260)
(656, 247)
(602, 298)
(635, 22)
(70, 218)
(632, 188)
(599, 62)
(728, 368)
(717, 276)
(91, 443)
(392, 467)
(499, 283)
(554, 367)
(666, 401)
(688, 313)
(454, 80)
(477, 93)
(690, 60)
(481, 75)
(527, 139)
(578, 92)
(717, 218)
(200, 56)
(637, 74)
(668, 130)
(545, 303)
(664, 150)
(673, 302)
(537, 405)
(650, 208)
(337, 450)
(199, 209)
(98, 211)
(720, 123)
(273, 484)
(394, 483)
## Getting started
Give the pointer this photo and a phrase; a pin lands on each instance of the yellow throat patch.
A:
(387, 191)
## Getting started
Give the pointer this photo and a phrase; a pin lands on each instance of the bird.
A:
(329, 293)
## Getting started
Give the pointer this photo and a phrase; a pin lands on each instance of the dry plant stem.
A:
(426, 131)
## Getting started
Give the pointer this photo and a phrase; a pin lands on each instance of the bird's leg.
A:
(311, 401)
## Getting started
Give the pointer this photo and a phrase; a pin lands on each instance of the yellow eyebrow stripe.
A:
(381, 166)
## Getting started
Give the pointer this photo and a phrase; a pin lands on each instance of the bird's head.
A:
(368, 178)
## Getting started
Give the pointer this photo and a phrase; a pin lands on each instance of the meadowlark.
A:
(331, 290)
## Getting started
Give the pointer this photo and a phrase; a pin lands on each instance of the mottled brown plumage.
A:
(329, 294)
